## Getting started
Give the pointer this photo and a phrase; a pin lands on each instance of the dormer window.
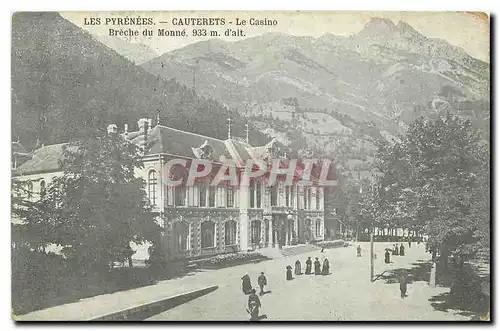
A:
(204, 151)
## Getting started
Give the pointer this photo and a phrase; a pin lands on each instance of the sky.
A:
(470, 31)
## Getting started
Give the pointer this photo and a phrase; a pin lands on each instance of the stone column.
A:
(271, 232)
(243, 222)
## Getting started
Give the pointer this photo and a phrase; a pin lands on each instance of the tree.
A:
(436, 178)
(97, 207)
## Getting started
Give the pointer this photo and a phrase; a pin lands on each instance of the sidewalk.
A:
(89, 308)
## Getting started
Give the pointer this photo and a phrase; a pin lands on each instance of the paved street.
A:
(346, 294)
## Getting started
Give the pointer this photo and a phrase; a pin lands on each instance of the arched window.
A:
(42, 189)
(318, 227)
(152, 183)
(30, 191)
(230, 233)
(207, 234)
(256, 230)
(181, 236)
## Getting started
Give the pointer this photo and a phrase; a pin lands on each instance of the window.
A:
(207, 234)
(203, 195)
(306, 190)
(230, 233)
(211, 196)
(252, 194)
(287, 196)
(42, 189)
(256, 229)
(180, 196)
(181, 236)
(152, 182)
(30, 191)
(230, 197)
(309, 197)
(292, 195)
(317, 198)
(274, 195)
(318, 227)
(258, 192)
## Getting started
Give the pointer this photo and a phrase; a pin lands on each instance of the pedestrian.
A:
(308, 266)
(403, 285)
(246, 284)
(253, 305)
(402, 250)
(289, 272)
(326, 267)
(409, 242)
(358, 250)
(396, 250)
(262, 281)
(387, 256)
(317, 267)
(322, 249)
(298, 268)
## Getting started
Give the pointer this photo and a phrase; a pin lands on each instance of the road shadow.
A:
(467, 295)
(417, 273)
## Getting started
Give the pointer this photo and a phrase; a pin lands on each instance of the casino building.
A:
(202, 220)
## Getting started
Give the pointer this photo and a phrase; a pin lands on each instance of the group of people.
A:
(254, 303)
(318, 269)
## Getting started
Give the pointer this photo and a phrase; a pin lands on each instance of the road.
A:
(345, 295)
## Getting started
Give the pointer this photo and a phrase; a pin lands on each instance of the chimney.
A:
(150, 124)
(112, 129)
(142, 123)
(143, 126)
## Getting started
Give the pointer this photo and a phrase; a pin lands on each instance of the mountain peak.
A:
(378, 26)
(408, 31)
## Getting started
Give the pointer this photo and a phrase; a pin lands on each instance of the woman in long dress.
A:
(326, 267)
(298, 268)
(317, 267)
(289, 272)
(308, 266)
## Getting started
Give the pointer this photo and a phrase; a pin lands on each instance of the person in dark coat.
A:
(298, 268)
(387, 256)
(317, 267)
(262, 281)
(289, 272)
(358, 250)
(396, 249)
(403, 285)
(402, 250)
(308, 266)
(246, 284)
(409, 242)
(326, 267)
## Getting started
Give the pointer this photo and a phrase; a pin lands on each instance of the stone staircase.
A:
(298, 249)
(286, 251)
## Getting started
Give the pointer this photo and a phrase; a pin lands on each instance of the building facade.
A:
(201, 219)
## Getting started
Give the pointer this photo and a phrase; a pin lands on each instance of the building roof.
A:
(160, 140)
(163, 139)
(44, 159)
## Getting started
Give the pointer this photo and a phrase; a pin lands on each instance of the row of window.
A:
(182, 235)
(210, 196)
